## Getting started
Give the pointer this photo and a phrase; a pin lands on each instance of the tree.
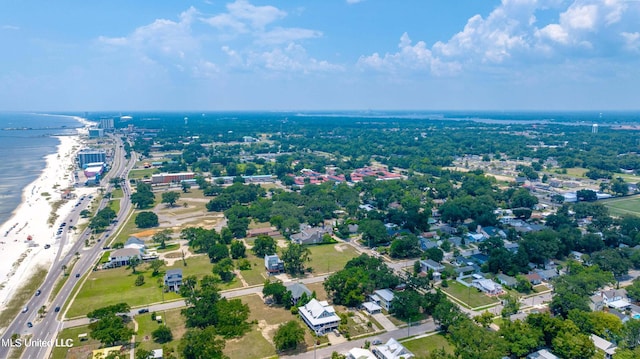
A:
(202, 343)
(288, 336)
(143, 354)
(143, 197)
(447, 315)
(134, 262)
(406, 305)
(521, 337)
(276, 290)
(155, 265)
(634, 289)
(374, 232)
(170, 198)
(162, 237)
(162, 334)
(232, 318)
(406, 246)
(186, 186)
(294, 257)
(224, 269)
(109, 328)
(218, 252)
(238, 250)
(574, 345)
(146, 220)
(139, 280)
(586, 195)
(611, 260)
(264, 245)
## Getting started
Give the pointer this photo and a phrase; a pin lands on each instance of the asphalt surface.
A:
(46, 328)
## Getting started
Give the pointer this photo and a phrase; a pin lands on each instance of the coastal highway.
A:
(46, 328)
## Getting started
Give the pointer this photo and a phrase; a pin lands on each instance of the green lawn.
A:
(117, 193)
(80, 349)
(111, 286)
(423, 346)
(115, 205)
(326, 258)
(257, 274)
(469, 295)
(171, 318)
(623, 206)
(142, 173)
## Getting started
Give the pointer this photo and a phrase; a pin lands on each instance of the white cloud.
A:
(292, 58)
(10, 27)
(354, 1)
(281, 35)
(632, 40)
(257, 16)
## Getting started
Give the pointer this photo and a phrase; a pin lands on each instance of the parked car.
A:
(47, 246)
(143, 310)
(376, 342)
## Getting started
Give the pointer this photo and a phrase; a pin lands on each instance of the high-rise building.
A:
(594, 128)
(106, 123)
(89, 155)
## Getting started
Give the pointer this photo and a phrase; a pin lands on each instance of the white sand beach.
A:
(20, 255)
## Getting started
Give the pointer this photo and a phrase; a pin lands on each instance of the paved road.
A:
(47, 328)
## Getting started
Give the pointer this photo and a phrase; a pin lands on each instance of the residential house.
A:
(491, 231)
(309, 235)
(623, 317)
(319, 316)
(392, 349)
(547, 274)
(456, 241)
(157, 354)
(371, 307)
(173, 280)
(273, 264)
(426, 243)
(466, 270)
(359, 353)
(425, 265)
(542, 354)
(479, 258)
(506, 280)
(382, 297)
(511, 247)
(121, 257)
(606, 346)
(576, 255)
(534, 278)
(297, 289)
(474, 237)
(487, 286)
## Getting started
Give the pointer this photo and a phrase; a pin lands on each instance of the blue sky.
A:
(320, 55)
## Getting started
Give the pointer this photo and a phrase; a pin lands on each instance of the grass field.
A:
(330, 257)
(112, 286)
(423, 346)
(80, 349)
(469, 295)
(251, 345)
(171, 318)
(623, 206)
(256, 275)
(142, 173)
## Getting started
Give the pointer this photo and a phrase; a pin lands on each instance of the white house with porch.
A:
(319, 316)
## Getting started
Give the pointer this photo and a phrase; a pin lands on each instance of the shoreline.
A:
(30, 219)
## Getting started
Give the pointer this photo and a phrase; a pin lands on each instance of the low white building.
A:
(487, 286)
(392, 349)
(382, 297)
(359, 353)
(319, 316)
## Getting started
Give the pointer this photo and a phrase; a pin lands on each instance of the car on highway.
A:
(57, 309)
(29, 325)
(47, 246)
(376, 342)
(25, 309)
(77, 275)
(143, 310)
(38, 292)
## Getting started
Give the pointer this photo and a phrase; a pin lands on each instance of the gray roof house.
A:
(425, 265)
(507, 280)
(309, 235)
(173, 280)
(297, 289)
(134, 242)
(382, 297)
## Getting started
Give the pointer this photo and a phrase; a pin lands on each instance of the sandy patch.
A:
(267, 330)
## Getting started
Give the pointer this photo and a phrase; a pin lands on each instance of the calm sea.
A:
(25, 141)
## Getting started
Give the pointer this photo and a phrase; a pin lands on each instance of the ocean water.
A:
(25, 140)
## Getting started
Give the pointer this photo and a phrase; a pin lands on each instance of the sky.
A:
(252, 55)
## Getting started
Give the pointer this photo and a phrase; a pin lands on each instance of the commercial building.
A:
(96, 133)
(171, 177)
(106, 123)
(89, 155)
